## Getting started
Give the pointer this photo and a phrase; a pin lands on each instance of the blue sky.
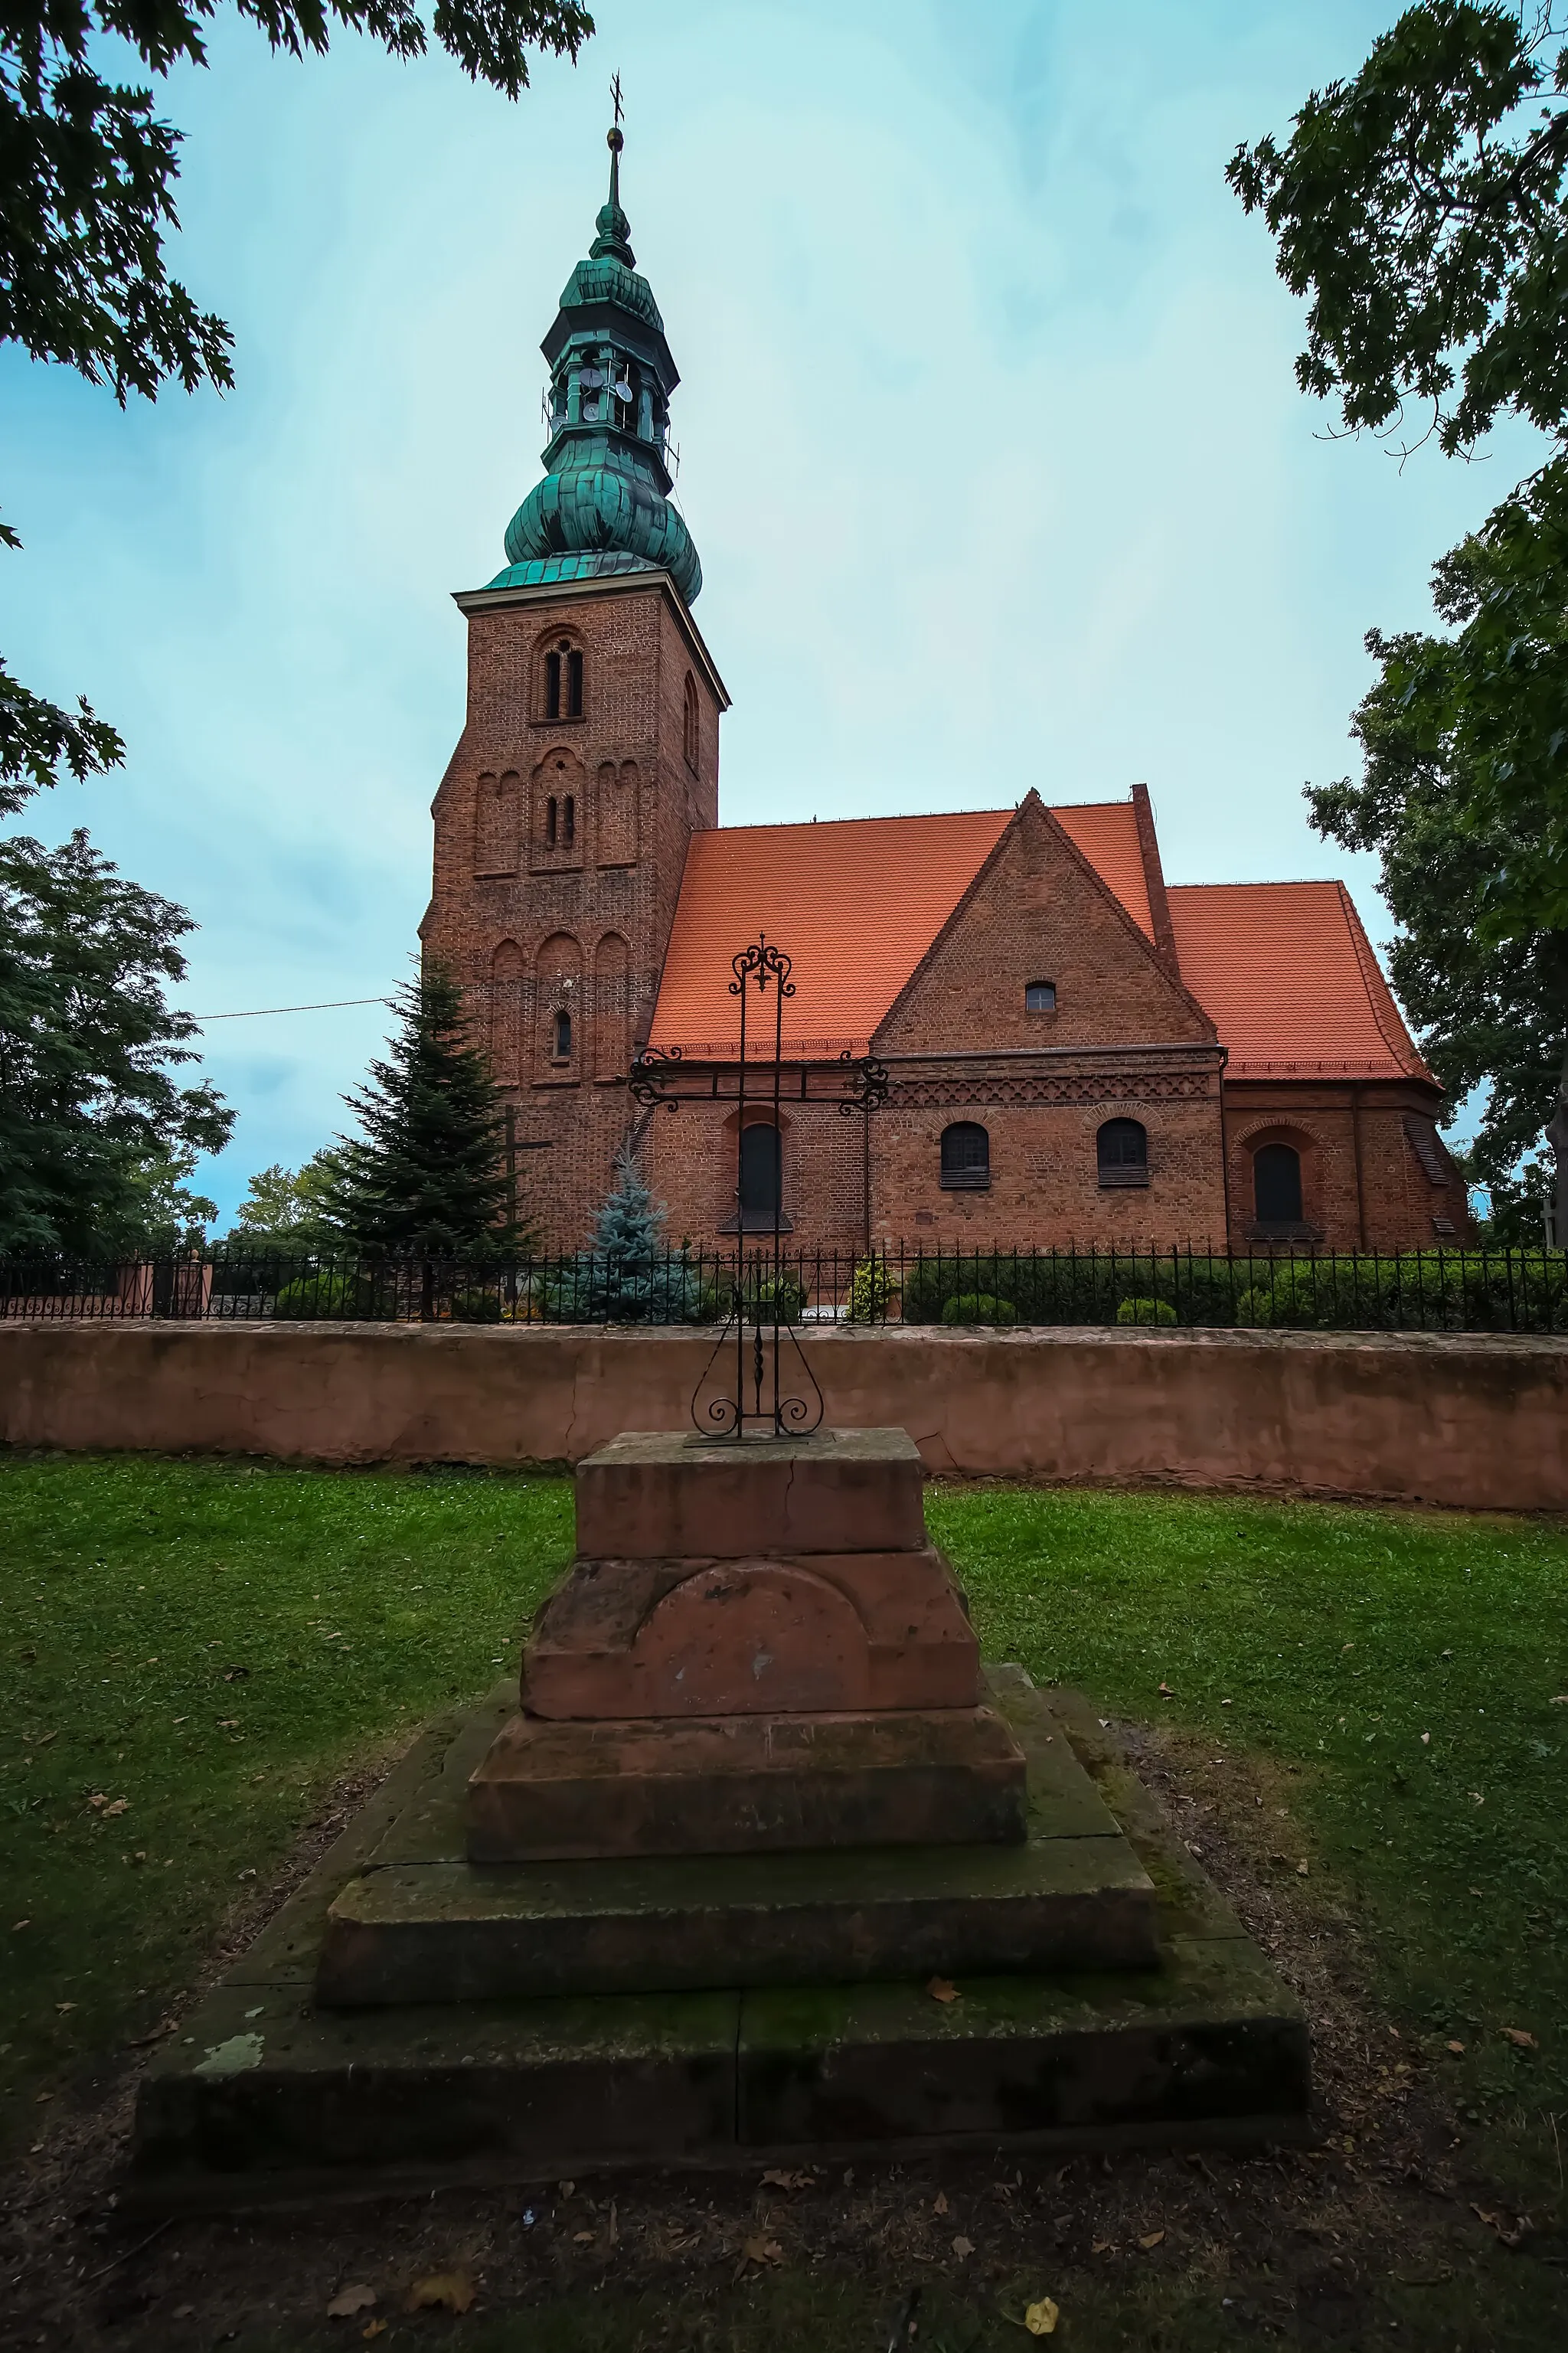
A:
(992, 450)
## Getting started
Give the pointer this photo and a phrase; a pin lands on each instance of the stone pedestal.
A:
(757, 1648)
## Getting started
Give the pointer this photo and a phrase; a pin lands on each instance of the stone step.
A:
(746, 1784)
(426, 1925)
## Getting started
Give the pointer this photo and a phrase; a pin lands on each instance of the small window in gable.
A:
(1040, 996)
(965, 1158)
(1121, 1153)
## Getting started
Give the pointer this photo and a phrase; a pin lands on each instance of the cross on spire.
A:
(615, 94)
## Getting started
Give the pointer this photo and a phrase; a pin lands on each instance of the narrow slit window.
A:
(574, 685)
(553, 686)
(569, 821)
(560, 1048)
(550, 812)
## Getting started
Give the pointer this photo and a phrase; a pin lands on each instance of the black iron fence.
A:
(1424, 1291)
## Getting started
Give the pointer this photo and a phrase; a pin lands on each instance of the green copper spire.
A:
(604, 505)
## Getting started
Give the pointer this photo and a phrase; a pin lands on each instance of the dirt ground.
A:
(1386, 2232)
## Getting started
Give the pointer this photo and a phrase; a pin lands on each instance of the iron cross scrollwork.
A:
(757, 1382)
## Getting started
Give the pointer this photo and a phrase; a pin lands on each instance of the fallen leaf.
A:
(235, 1674)
(582, 2238)
(939, 2204)
(373, 2328)
(1477, 1797)
(775, 2180)
(1525, 2040)
(1499, 2222)
(1300, 1871)
(1103, 2247)
(70, 2005)
(349, 2300)
(1151, 2238)
(1559, 1699)
(228, 1723)
(940, 1991)
(1425, 1740)
(1344, 1647)
(121, 1806)
(99, 1797)
(1166, 1692)
(962, 2248)
(761, 2251)
(443, 2292)
(1456, 2046)
(1040, 2319)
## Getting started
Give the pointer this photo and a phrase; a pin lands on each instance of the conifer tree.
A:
(427, 1177)
(629, 1275)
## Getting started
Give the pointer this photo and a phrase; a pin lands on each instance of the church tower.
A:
(590, 755)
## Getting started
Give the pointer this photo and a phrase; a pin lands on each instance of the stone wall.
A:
(1422, 1418)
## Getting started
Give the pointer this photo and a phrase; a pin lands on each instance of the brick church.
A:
(1075, 1050)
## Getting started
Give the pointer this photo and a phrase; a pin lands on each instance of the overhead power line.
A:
(254, 1012)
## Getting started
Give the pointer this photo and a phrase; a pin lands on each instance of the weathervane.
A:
(615, 94)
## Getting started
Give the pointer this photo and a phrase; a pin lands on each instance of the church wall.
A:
(692, 1159)
(1045, 1188)
(1391, 1204)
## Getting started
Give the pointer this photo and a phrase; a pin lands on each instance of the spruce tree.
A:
(427, 1177)
(630, 1275)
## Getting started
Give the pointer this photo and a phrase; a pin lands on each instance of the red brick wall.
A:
(1363, 1182)
(535, 927)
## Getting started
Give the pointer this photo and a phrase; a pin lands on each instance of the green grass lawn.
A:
(194, 1651)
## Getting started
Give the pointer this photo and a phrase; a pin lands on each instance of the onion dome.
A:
(604, 504)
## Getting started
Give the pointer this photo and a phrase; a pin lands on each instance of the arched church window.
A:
(1040, 996)
(761, 1173)
(569, 821)
(1277, 1185)
(965, 1158)
(552, 814)
(1121, 1153)
(573, 685)
(690, 728)
(553, 684)
(561, 1035)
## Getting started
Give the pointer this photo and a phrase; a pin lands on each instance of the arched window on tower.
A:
(965, 1158)
(568, 822)
(1122, 1154)
(691, 731)
(561, 1035)
(563, 681)
(552, 821)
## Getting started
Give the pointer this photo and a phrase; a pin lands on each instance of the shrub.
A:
(872, 1291)
(477, 1307)
(332, 1295)
(1145, 1311)
(979, 1307)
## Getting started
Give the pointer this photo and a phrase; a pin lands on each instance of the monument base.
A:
(271, 2096)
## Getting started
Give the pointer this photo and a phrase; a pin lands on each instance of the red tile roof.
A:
(855, 902)
(1107, 833)
(1291, 982)
(1283, 969)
